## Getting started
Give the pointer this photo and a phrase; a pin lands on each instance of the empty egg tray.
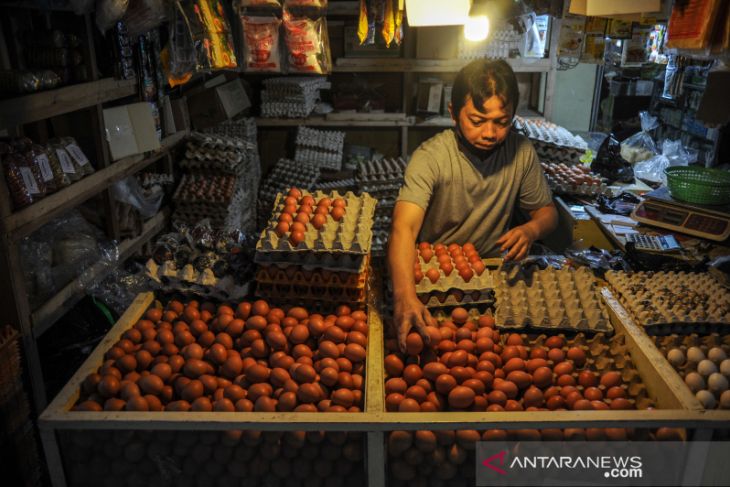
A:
(350, 236)
(673, 302)
(189, 280)
(564, 299)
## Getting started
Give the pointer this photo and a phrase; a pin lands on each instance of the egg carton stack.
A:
(564, 299)
(342, 185)
(291, 97)
(382, 179)
(673, 302)
(452, 277)
(243, 129)
(703, 364)
(552, 142)
(213, 161)
(204, 262)
(501, 42)
(574, 179)
(322, 259)
(323, 148)
(285, 174)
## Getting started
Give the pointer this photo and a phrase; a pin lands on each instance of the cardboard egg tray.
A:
(575, 180)
(457, 297)
(286, 174)
(205, 189)
(673, 302)
(453, 280)
(556, 299)
(666, 343)
(300, 275)
(341, 185)
(381, 175)
(307, 292)
(322, 147)
(549, 133)
(338, 245)
(189, 280)
(293, 97)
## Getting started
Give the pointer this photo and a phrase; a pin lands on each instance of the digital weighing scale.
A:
(661, 210)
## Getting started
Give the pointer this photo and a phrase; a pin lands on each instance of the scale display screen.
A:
(691, 222)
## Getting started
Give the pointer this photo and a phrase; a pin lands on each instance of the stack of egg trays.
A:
(293, 97)
(649, 298)
(558, 299)
(321, 147)
(285, 175)
(339, 245)
(189, 281)
(210, 206)
(243, 129)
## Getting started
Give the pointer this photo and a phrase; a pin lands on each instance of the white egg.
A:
(675, 357)
(694, 381)
(725, 367)
(717, 383)
(716, 354)
(706, 398)
(725, 400)
(706, 368)
(695, 355)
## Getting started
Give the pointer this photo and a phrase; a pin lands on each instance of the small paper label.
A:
(65, 160)
(45, 167)
(77, 154)
(29, 180)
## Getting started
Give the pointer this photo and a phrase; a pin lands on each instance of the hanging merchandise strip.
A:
(307, 44)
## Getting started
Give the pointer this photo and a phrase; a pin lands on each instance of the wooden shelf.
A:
(355, 65)
(51, 103)
(343, 9)
(319, 121)
(61, 303)
(27, 220)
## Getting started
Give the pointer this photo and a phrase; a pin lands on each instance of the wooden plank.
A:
(27, 220)
(52, 454)
(376, 461)
(661, 380)
(374, 388)
(354, 65)
(66, 298)
(51, 103)
(323, 122)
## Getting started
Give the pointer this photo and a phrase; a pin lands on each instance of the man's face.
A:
(487, 128)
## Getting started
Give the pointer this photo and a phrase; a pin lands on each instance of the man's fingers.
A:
(403, 328)
(510, 242)
(430, 320)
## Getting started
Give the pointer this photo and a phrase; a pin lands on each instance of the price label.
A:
(29, 180)
(45, 167)
(77, 154)
(66, 164)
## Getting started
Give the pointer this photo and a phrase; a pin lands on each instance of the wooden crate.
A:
(58, 417)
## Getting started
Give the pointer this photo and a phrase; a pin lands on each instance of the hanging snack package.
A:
(186, 53)
(261, 44)
(362, 22)
(307, 44)
(220, 43)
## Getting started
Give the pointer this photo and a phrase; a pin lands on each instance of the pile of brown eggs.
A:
(204, 357)
(299, 211)
(465, 260)
(471, 366)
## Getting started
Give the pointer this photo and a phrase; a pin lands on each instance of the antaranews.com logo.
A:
(608, 466)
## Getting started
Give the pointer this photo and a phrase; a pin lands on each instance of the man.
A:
(463, 186)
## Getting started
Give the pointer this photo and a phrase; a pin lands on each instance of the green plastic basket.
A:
(699, 185)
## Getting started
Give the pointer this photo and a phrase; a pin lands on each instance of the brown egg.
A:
(615, 392)
(513, 364)
(563, 368)
(412, 373)
(556, 355)
(304, 374)
(459, 316)
(354, 352)
(150, 384)
(577, 355)
(565, 380)
(461, 374)
(202, 404)
(414, 344)
(497, 398)
(533, 397)
(592, 393)
(108, 386)
(555, 342)
(395, 384)
(611, 379)
(329, 349)
(408, 405)
(129, 390)
(137, 403)
(587, 378)
(520, 378)
(445, 383)
(114, 404)
(620, 403)
(343, 397)
(308, 393)
(542, 377)
(555, 402)
(258, 390)
(509, 388)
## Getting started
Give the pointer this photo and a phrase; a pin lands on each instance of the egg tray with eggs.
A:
(439, 268)
(702, 362)
(213, 458)
(565, 299)
(472, 366)
(316, 276)
(673, 302)
(246, 357)
(206, 190)
(576, 179)
(307, 293)
(287, 174)
(188, 280)
(549, 133)
(340, 242)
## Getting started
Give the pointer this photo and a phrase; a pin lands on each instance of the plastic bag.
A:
(129, 191)
(307, 44)
(81, 163)
(219, 40)
(24, 188)
(144, 15)
(185, 54)
(108, 12)
(261, 47)
(673, 154)
(43, 168)
(609, 163)
(640, 146)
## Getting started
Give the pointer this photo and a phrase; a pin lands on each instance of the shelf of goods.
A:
(198, 445)
(357, 65)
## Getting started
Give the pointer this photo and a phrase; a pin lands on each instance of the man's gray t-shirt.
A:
(472, 200)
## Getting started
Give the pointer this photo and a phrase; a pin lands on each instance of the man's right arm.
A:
(408, 311)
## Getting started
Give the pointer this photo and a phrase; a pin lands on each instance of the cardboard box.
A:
(130, 130)
(438, 42)
(218, 104)
(597, 8)
(428, 98)
(175, 115)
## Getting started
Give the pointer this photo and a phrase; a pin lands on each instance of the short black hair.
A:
(482, 79)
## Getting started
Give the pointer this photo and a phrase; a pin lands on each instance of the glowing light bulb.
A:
(476, 28)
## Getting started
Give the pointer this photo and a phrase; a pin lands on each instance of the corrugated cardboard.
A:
(218, 104)
(130, 130)
(597, 8)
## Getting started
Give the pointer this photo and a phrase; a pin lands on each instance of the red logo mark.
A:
(499, 456)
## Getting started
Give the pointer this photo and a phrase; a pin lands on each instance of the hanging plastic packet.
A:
(220, 41)
(640, 146)
(186, 52)
(108, 12)
(261, 49)
(388, 29)
(78, 155)
(362, 22)
(307, 44)
(400, 10)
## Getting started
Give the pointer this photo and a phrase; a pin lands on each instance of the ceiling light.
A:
(422, 13)
(476, 29)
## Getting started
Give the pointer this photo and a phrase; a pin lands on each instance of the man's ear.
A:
(451, 112)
